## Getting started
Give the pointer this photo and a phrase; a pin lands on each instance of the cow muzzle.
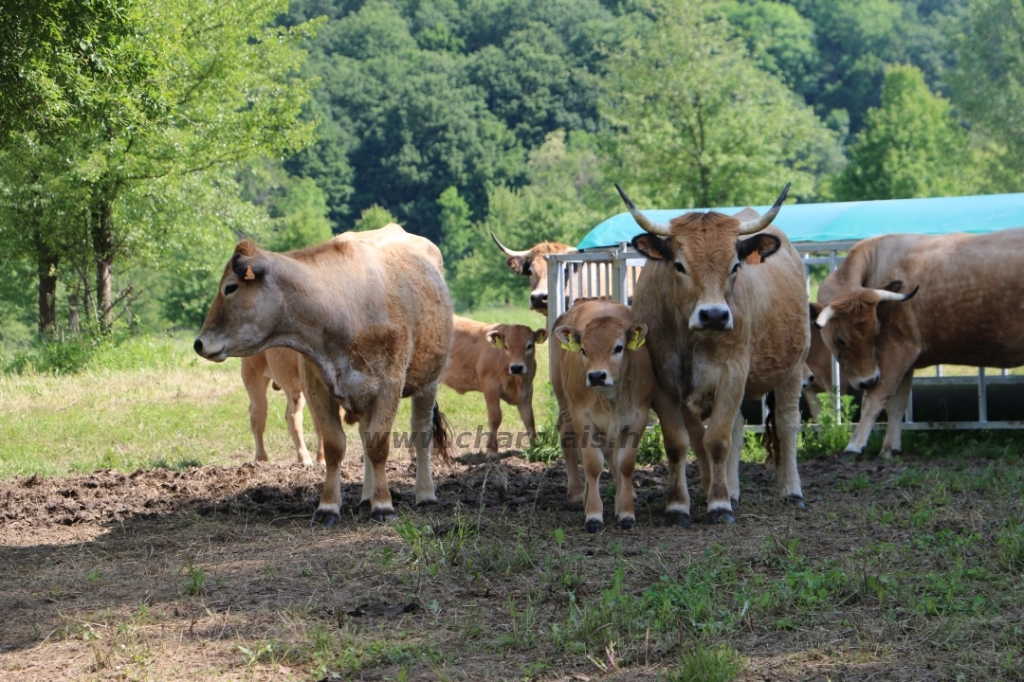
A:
(203, 350)
(539, 301)
(866, 384)
(711, 318)
(599, 379)
(517, 368)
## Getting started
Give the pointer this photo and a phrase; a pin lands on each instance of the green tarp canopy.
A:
(852, 220)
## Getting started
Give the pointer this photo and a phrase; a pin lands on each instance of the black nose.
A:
(198, 346)
(597, 378)
(810, 379)
(517, 368)
(713, 318)
(865, 385)
(539, 300)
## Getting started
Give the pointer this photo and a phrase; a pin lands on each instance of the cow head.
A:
(604, 345)
(243, 314)
(849, 327)
(531, 264)
(518, 341)
(707, 253)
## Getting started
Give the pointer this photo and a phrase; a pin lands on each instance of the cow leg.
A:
(256, 386)
(570, 453)
(718, 443)
(625, 463)
(673, 430)
(787, 422)
(422, 434)
(593, 464)
(326, 413)
(293, 417)
(526, 414)
(493, 399)
(732, 470)
(376, 434)
(896, 408)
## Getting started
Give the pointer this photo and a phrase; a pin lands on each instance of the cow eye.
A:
(529, 346)
(840, 342)
(584, 351)
(230, 289)
(618, 348)
(680, 268)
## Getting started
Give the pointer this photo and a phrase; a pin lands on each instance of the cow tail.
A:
(771, 434)
(442, 437)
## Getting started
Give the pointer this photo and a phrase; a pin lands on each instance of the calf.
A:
(607, 386)
(283, 367)
(498, 360)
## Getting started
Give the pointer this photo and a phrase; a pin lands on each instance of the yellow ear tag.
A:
(249, 274)
(498, 342)
(572, 347)
(637, 341)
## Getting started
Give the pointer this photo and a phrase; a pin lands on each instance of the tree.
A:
(456, 236)
(698, 124)
(304, 217)
(910, 147)
(988, 83)
(373, 218)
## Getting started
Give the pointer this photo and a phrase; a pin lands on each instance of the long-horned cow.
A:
(283, 367)
(880, 331)
(500, 361)
(719, 330)
(371, 313)
(531, 263)
(607, 385)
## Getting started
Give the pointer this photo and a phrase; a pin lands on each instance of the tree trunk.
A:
(103, 249)
(47, 269)
(73, 323)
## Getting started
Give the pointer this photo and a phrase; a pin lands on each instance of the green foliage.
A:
(194, 581)
(832, 432)
(700, 664)
(373, 218)
(118, 351)
(911, 146)
(456, 235)
(304, 220)
(652, 447)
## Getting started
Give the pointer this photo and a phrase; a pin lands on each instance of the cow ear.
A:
(637, 336)
(569, 337)
(815, 309)
(496, 338)
(894, 286)
(652, 246)
(540, 336)
(249, 268)
(519, 265)
(763, 244)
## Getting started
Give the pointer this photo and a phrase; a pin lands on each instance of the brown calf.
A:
(500, 361)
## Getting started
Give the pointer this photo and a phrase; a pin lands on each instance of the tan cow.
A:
(371, 313)
(283, 367)
(607, 385)
(966, 312)
(719, 331)
(531, 263)
(500, 361)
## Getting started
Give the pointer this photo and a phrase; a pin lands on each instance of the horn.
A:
(660, 229)
(886, 295)
(825, 316)
(758, 224)
(509, 252)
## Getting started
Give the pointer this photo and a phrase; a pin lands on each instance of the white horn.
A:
(509, 252)
(758, 224)
(824, 316)
(886, 295)
(660, 229)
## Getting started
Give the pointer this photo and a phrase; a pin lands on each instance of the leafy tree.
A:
(373, 218)
(988, 84)
(303, 221)
(697, 123)
(456, 237)
(911, 146)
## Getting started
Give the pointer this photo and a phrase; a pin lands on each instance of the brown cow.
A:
(531, 263)
(881, 332)
(607, 385)
(282, 366)
(719, 331)
(498, 360)
(371, 313)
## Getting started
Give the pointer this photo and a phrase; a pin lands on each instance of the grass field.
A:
(181, 560)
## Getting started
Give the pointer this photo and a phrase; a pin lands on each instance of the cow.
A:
(283, 367)
(818, 378)
(531, 263)
(607, 386)
(372, 315)
(720, 330)
(902, 302)
(500, 361)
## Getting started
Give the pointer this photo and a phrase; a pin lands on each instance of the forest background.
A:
(139, 139)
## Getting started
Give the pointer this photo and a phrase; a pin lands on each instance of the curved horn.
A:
(758, 224)
(886, 295)
(509, 252)
(660, 229)
(824, 316)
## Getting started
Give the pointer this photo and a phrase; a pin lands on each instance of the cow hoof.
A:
(715, 516)
(326, 518)
(797, 501)
(850, 455)
(363, 504)
(427, 502)
(593, 526)
(735, 503)
(627, 522)
(676, 518)
(383, 515)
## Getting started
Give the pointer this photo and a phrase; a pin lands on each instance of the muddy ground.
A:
(214, 573)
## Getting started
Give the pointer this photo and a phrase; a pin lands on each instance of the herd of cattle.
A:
(719, 313)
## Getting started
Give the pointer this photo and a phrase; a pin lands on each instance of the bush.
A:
(832, 432)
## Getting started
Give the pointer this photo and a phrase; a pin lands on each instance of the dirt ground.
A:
(214, 573)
